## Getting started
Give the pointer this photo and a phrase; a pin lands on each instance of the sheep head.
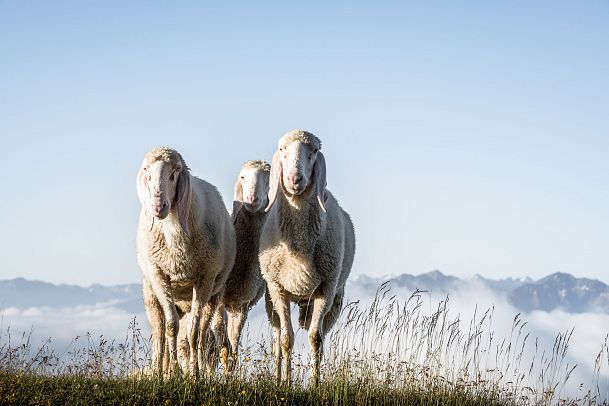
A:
(252, 187)
(297, 165)
(163, 183)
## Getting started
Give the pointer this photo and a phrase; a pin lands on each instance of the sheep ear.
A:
(183, 196)
(274, 179)
(319, 174)
(238, 199)
(142, 190)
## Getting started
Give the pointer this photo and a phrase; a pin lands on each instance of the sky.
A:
(470, 138)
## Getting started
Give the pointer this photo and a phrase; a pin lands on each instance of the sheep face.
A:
(297, 161)
(297, 164)
(163, 184)
(254, 184)
(162, 179)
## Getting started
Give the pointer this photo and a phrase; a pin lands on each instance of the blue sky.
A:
(470, 137)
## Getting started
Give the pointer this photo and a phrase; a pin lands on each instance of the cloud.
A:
(64, 324)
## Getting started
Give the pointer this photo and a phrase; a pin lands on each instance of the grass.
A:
(19, 389)
(390, 352)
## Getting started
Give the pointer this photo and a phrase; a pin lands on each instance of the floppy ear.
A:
(237, 200)
(183, 196)
(319, 174)
(274, 179)
(142, 190)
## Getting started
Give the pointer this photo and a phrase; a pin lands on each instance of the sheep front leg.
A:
(218, 328)
(236, 320)
(200, 295)
(183, 350)
(276, 325)
(281, 305)
(316, 335)
(161, 287)
(207, 341)
(154, 313)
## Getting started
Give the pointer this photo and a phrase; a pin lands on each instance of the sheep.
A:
(307, 247)
(245, 285)
(185, 249)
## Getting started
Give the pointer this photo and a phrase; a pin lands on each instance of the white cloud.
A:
(63, 325)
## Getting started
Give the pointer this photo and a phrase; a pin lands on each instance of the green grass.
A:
(390, 352)
(20, 389)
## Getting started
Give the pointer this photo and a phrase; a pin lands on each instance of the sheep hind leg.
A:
(305, 311)
(183, 347)
(332, 315)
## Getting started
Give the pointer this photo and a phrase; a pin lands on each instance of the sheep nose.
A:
(295, 179)
(158, 208)
(251, 199)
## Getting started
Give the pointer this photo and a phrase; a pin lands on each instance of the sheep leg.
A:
(218, 328)
(316, 334)
(200, 295)
(281, 304)
(236, 320)
(154, 313)
(304, 314)
(183, 347)
(161, 287)
(205, 347)
(332, 315)
(166, 357)
(276, 325)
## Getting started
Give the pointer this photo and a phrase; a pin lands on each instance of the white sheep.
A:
(186, 249)
(245, 285)
(307, 246)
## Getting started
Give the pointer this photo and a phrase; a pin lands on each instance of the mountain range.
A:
(558, 291)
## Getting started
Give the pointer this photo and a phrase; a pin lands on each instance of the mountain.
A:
(503, 285)
(436, 282)
(22, 294)
(557, 291)
(562, 291)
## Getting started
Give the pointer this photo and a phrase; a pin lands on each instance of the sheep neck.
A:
(301, 220)
(172, 230)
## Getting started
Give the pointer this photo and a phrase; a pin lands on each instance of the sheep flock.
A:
(287, 240)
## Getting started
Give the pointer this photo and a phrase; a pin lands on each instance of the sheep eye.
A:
(242, 177)
(172, 177)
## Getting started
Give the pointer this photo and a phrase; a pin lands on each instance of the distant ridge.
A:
(562, 291)
(558, 291)
(22, 293)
